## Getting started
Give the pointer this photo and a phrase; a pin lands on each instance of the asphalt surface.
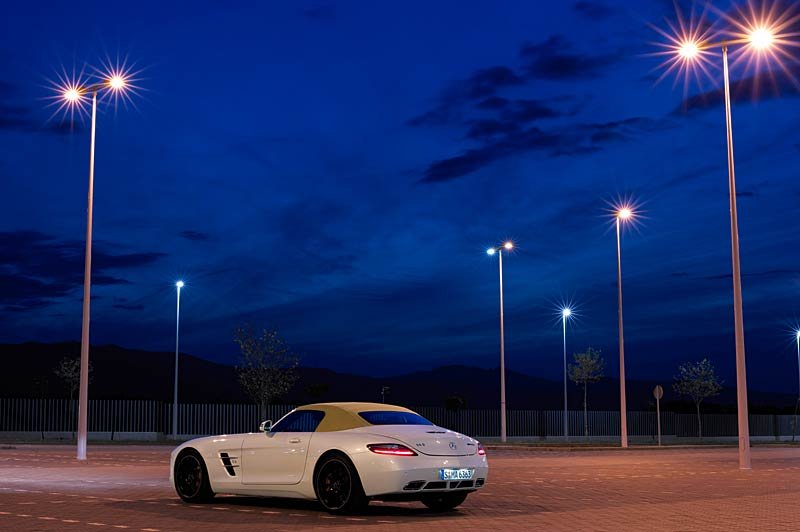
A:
(127, 488)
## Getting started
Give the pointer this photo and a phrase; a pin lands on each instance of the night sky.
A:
(336, 171)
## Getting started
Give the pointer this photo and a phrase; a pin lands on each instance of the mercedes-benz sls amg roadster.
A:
(341, 454)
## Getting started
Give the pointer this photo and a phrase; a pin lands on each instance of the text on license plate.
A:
(456, 474)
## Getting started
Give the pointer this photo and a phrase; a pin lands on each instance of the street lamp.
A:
(566, 313)
(72, 95)
(622, 215)
(178, 286)
(690, 48)
(508, 246)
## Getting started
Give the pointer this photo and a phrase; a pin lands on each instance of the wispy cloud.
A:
(36, 268)
(556, 59)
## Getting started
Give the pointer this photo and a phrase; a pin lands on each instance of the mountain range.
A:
(120, 373)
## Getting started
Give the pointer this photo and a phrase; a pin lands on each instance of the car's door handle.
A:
(294, 440)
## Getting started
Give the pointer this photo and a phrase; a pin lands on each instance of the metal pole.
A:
(797, 404)
(502, 358)
(83, 390)
(741, 369)
(623, 408)
(175, 389)
(564, 324)
(658, 417)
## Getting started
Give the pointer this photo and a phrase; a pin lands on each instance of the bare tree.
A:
(268, 369)
(69, 370)
(697, 381)
(588, 368)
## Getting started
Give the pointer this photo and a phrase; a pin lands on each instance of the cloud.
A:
(485, 82)
(530, 110)
(747, 89)
(575, 139)
(481, 86)
(492, 102)
(480, 129)
(36, 268)
(555, 60)
(474, 159)
(502, 127)
(594, 10)
(194, 235)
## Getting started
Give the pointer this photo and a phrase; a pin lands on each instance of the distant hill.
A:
(120, 373)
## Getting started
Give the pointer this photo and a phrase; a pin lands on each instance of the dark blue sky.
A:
(336, 170)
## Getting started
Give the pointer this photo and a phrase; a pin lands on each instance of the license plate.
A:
(456, 474)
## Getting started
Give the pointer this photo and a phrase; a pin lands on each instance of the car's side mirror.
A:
(265, 426)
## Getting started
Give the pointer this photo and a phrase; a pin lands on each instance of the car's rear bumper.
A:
(410, 477)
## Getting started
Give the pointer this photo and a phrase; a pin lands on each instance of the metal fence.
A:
(59, 415)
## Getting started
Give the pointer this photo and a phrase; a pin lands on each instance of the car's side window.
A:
(300, 421)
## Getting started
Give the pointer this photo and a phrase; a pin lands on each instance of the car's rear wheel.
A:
(441, 502)
(338, 486)
(191, 477)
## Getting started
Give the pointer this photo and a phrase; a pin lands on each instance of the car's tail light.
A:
(392, 449)
(481, 450)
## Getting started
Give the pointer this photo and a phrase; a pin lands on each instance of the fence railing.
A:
(59, 415)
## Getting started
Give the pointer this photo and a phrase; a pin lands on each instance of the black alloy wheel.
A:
(338, 486)
(191, 477)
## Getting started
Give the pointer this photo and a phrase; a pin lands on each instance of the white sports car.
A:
(342, 454)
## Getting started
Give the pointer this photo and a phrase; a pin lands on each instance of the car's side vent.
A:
(230, 463)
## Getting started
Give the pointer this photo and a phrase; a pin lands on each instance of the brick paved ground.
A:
(126, 488)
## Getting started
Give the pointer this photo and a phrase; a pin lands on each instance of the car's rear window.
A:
(389, 417)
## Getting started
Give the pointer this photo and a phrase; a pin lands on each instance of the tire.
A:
(442, 502)
(191, 477)
(338, 486)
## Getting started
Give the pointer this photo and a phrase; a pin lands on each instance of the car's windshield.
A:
(389, 417)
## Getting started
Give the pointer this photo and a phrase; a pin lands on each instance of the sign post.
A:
(658, 393)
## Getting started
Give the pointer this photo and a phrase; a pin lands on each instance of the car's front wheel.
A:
(191, 477)
(441, 502)
(338, 486)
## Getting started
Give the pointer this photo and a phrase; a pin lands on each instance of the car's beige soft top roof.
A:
(343, 416)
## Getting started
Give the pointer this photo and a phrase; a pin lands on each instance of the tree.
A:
(588, 368)
(69, 370)
(697, 381)
(268, 369)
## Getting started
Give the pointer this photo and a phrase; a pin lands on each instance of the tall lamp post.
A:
(178, 286)
(691, 49)
(797, 405)
(566, 313)
(508, 246)
(74, 95)
(622, 215)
